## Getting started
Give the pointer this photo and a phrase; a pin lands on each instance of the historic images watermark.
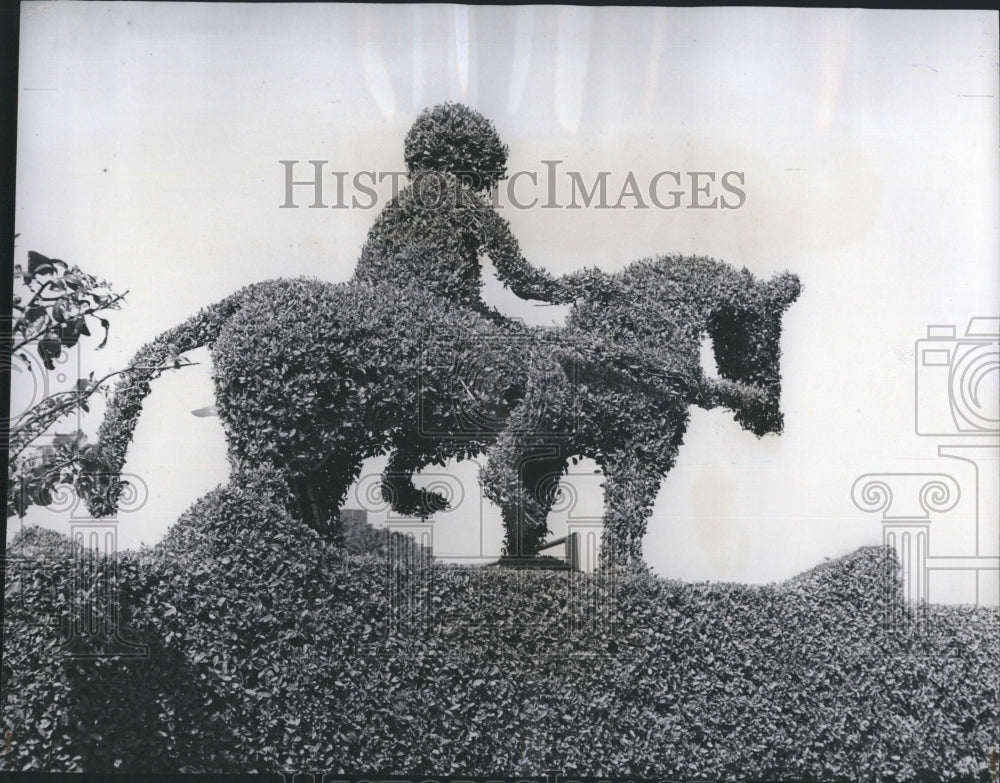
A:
(312, 184)
(956, 402)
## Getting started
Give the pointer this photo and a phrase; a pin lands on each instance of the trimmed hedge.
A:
(270, 650)
(313, 378)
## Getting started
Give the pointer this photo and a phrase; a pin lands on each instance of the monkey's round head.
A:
(451, 137)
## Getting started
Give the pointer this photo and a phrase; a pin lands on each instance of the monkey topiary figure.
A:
(437, 228)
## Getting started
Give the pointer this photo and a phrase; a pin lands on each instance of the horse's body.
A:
(313, 378)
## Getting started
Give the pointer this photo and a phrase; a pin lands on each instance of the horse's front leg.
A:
(630, 489)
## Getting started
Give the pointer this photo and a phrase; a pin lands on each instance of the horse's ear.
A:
(785, 288)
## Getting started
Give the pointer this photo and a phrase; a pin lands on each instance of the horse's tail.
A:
(104, 486)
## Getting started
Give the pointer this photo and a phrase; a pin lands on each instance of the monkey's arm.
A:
(514, 271)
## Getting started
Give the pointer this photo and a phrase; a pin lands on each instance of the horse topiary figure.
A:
(631, 368)
(312, 378)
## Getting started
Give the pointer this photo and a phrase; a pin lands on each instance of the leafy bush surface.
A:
(268, 649)
(453, 138)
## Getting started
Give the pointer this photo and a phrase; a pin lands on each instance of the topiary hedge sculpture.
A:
(406, 359)
(630, 361)
(313, 378)
(454, 139)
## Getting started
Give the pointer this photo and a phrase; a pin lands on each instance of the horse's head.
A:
(745, 329)
(659, 310)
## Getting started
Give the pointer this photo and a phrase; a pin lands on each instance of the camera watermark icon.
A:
(958, 380)
(956, 395)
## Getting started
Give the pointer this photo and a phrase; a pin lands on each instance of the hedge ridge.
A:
(258, 632)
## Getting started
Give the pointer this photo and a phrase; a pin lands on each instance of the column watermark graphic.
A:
(416, 575)
(82, 580)
(957, 403)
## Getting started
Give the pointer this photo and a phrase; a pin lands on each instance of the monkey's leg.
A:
(398, 488)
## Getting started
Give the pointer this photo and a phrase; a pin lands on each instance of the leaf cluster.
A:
(451, 137)
(270, 650)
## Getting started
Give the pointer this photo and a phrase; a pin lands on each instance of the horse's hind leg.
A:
(523, 479)
(321, 493)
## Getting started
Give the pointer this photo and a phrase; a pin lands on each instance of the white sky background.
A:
(149, 141)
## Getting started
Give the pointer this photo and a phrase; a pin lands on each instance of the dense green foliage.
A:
(379, 379)
(435, 230)
(633, 371)
(270, 649)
